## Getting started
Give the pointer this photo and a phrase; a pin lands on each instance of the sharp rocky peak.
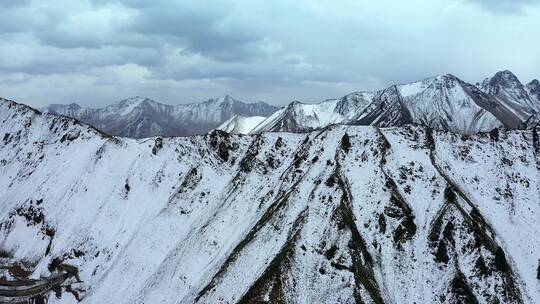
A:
(534, 84)
(533, 88)
(503, 79)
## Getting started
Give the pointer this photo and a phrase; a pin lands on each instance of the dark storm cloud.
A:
(198, 27)
(279, 50)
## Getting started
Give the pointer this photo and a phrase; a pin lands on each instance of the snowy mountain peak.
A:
(533, 88)
(502, 80)
(534, 84)
(127, 106)
(225, 100)
(511, 94)
(446, 80)
(447, 77)
(135, 101)
(436, 82)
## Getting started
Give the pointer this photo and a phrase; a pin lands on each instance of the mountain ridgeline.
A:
(140, 117)
(343, 214)
(444, 103)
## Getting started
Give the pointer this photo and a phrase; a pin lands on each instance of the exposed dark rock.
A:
(441, 256)
(494, 135)
(382, 223)
(345, 143)
(481, 267)
(330, 253)
(500, 260)
(158, 145)
(462, 291)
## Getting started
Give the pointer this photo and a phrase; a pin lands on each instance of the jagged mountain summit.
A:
(512, 96)
(533, 88)
(343, 214)
(444, 102)
(140, 117)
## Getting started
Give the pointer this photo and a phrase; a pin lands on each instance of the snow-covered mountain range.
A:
(343, 214)
(444, 102)
(140, 117)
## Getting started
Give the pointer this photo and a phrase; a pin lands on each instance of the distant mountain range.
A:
(139, 117)
(443, 102)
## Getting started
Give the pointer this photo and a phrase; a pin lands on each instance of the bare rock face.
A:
(342, 214)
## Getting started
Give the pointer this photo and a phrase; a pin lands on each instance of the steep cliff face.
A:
(344, 214)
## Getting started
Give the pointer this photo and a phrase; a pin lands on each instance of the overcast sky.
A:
(96, 52)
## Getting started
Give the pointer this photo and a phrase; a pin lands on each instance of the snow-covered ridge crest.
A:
(241, 124)
(342, 214)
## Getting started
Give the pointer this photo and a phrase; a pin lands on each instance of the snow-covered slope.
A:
(345, 214)
(444, 102)
(139, 117)
(240, 124)
(301, 117)
(447, 103)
